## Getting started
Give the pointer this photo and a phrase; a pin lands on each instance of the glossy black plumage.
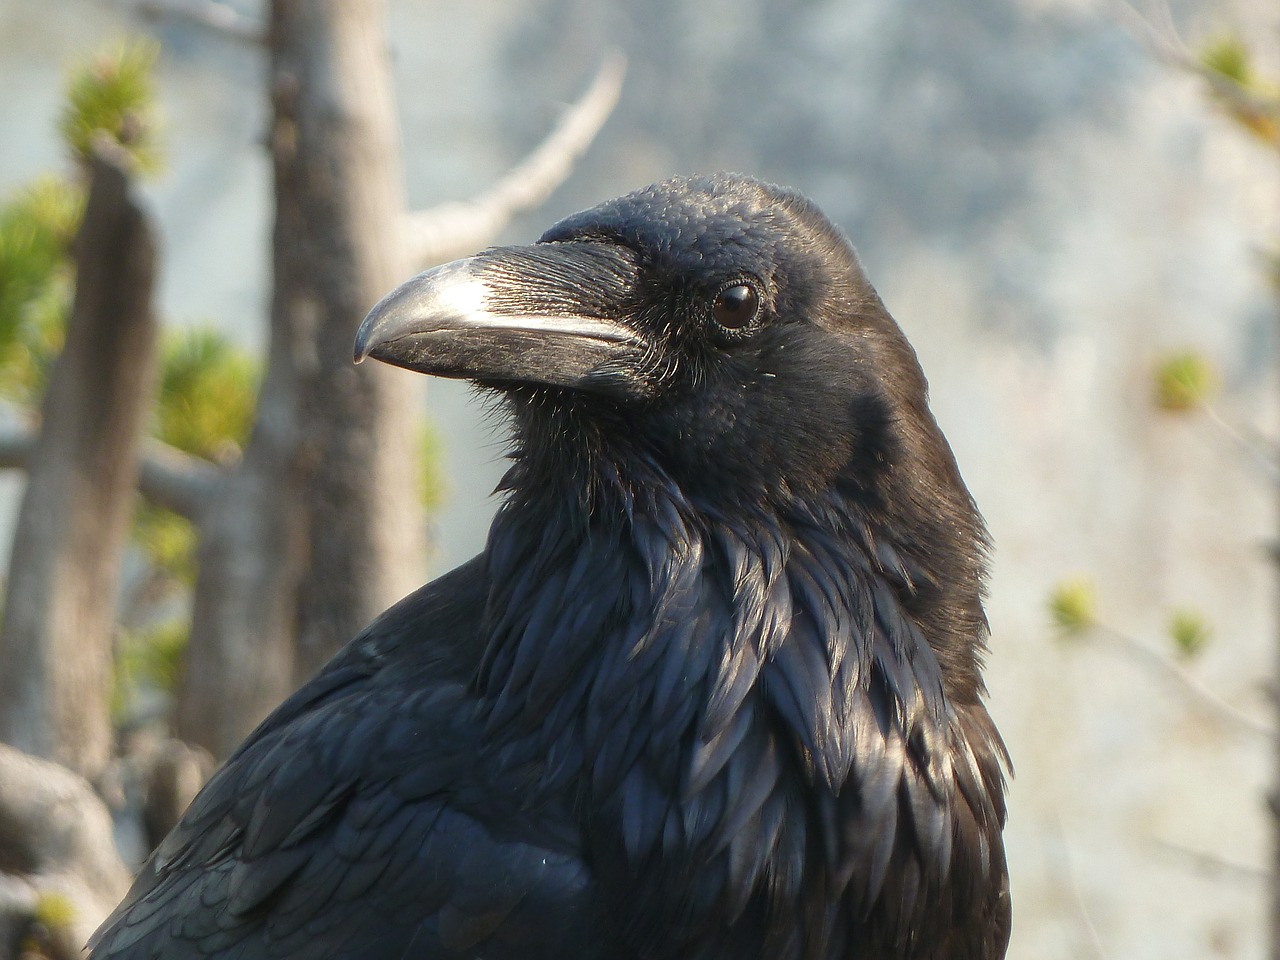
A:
(711, 691)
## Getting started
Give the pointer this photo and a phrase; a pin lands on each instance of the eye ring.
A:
(736, 306)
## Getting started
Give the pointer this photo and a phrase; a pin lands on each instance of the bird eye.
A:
(736, 306)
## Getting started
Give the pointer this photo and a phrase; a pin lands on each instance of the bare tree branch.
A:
(1210, 861)
(1194, 690)
(167, 476)
(176, 480)
(452, 229)
(1168, 46)
(209, 14)
(1064, 872)
(1250, 440)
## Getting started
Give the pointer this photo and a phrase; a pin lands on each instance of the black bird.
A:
(711, 691)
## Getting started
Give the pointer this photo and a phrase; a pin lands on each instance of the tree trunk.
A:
(56, 638)
(319, 528)
(239, 655)
(339, 208)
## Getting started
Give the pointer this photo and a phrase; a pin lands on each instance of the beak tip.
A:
(366, 340)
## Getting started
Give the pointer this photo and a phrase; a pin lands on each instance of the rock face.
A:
(1043, 205)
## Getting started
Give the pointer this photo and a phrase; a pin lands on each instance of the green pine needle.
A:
(37, 226)
(208, 390)
(54, 910)
(150, 658)
(1190, 632)
(168, 540)
(1229, 57)
(1072, 606)
(432, 487)
(1255, 105)
(112, 96)
(1183, 381)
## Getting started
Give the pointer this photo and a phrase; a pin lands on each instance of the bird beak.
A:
(542, 314)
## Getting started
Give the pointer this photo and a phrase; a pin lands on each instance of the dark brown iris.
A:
(735, 306)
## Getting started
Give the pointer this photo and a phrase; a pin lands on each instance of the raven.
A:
(712, 690)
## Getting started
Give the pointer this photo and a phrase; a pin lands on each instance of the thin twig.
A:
(1166, 44)
(1066, 873)
(1195, 691)
(1253, 443)
(1211, 861)
(452, 229)
(209, 14)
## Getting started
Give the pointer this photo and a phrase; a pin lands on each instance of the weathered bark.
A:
(55, 642)
(338, 205)
(55, 839)
(319, 528)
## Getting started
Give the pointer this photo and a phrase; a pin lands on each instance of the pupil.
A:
(735, 307)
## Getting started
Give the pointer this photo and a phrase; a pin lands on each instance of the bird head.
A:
(721, 326)
(714, 335)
